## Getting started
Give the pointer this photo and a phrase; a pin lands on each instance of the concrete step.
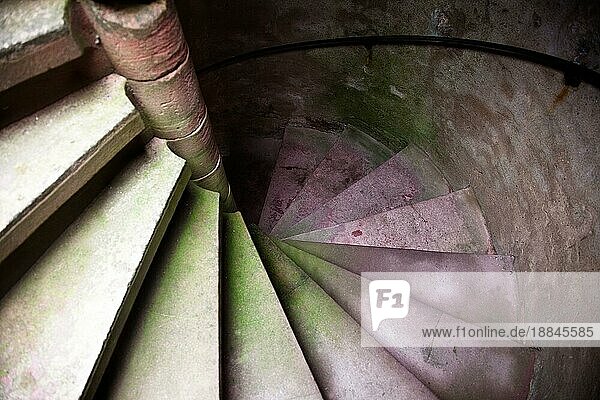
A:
(450, 223)
(457, 302)
(301, 151)
(48, 156)
(353, 156)
(262, 359)
(60, 322)
(331, 339)
(451, 373)
(408, 177)
(36, 36)
(170, 345)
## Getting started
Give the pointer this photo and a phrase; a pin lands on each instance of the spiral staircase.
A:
(122, 280)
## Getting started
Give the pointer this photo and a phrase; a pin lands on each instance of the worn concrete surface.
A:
(59, 324)
(408, 177)
(48, 156)
(301, 151)
(262, 358)
(450, 223)
(330, 338)
(351, 157)
(170, 346)
(451, 373)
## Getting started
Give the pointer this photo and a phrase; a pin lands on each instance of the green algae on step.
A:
(170, 345)
(47, 157)
(452, 373)
(59, 323)
(262, 359)
(330, 338)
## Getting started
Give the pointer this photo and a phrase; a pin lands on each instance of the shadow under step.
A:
(262, 359)
(60, 322)
(459, 373)
(406, 178)
(450, 223)
(49, 156)
(331, 339)
(170, 344)
(353, 156)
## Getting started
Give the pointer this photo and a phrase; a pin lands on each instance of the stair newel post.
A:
(146, 45)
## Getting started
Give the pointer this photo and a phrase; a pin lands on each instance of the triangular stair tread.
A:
(359, 259)
(331, 339)
(301, 151)
(450, 223)
(175, 319)
(406, 178)
(47, 157)
(451, 373)
(262, 357)
(60, 322)
(353, 156)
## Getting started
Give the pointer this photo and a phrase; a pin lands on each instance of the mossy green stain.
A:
(363, 90)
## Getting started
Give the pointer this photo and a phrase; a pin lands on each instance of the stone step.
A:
(262, 359)
(331, 339)
(457, 302)
(47, 157)
(353, 156)
(408, 177)
(458, 373)
(60, 322)
(301, 151)
(36, 36)
(170, 345)
(450, 223)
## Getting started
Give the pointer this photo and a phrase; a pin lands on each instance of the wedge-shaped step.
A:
(262, 357)
(408, 177)
(331, 339)
(451, 223)
(169, 348)
(353, 155)
(301, 151)
(457, 302)
(452, 373)
(59, 323)
(48, 156)
(34, 37)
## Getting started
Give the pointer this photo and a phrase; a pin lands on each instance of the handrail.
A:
(574, 73)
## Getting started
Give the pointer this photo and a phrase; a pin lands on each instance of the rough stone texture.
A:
(353, 155)
(450, 223)
(301, 151)
(527, 144)
(566, 29)
(408, 177)
(170, 345)
(198, 149)
(330, 338)
(172, 105)
(48, 156)
(262, 357)
(59, 324)
(143, 41)
(34, 37)
(451, 373)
